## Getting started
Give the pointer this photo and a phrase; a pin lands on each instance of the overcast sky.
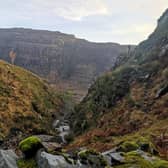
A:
(122, 21)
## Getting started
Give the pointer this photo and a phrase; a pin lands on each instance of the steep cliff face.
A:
(131, 100)
(57, 56)
(148, 50)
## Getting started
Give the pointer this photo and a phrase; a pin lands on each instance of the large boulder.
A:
(113, 157)
(46, 160)
(8, 159)
(49, 143)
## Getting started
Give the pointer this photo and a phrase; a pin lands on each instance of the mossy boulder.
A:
(85, 153)
(93, 158)
(128, 146)
(140, 159)
(30, 145)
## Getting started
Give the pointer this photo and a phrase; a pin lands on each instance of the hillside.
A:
(62, 59)
(27, 104)
(130, 102)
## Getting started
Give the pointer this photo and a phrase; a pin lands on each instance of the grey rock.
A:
(46, 160)
(51, 146)
(113, 157)
(145, 155)
(8, 159)
(162, 92)
(46, 138)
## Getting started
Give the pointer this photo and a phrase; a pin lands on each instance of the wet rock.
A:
(8, 159)
(63, 130)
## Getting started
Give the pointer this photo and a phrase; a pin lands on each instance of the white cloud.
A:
(141, 29)
(73, 9)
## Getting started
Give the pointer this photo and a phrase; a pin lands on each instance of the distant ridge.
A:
(59, 57)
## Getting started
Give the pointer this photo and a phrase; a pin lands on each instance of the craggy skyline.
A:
(125, 22)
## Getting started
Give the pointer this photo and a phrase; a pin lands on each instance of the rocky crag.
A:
(130, 102)
(63, 59)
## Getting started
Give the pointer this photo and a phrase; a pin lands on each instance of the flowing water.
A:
(63, 129)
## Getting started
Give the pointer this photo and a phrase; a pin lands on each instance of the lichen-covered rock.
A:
(140, 159)
(92, 159)
(84, 159)
(8, 159)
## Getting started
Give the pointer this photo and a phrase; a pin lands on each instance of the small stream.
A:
(63, 129)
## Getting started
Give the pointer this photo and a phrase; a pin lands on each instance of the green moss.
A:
(30, 145)
(146, 145)
(128, 146)
(133, 153)
(160, 164)
(135, 159)
(103, 162)
(30, 163)
(84, 155)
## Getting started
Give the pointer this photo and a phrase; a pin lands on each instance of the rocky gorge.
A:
(122, 122)
(67, 62)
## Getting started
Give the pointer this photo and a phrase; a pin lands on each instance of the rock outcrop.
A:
(46, 160)
(70, 62)
(8, 159)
